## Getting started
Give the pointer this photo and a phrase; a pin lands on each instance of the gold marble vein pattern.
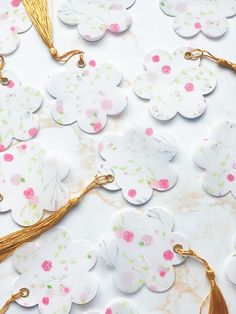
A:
(208, 222)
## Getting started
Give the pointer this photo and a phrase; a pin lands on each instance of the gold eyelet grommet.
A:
(1, 197)
(24, 292)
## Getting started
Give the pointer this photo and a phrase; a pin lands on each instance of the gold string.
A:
(216, 299)
(22, 293)
(198, 54)
(3, 80)
(12, 241)
(38, 13)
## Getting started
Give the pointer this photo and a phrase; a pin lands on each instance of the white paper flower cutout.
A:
(230, 266)
(216, 155)
(30, 182)
(13, 21)
(95, 18)
(140, 161)
(140, 250)
(119, 306)
(87, 96)
(174, 85)
(17, 105)
(55, 269)
(194, 16)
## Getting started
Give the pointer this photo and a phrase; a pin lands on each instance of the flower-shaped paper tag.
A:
(87, 96)
(119, 306)
(194, 16)
(30, 182)
(140, 161)
(174, 85)
(95, 18)
(230, 266)
(13, 21)
(140, 250)
(55, 269)
(216, 155)
(17, 105)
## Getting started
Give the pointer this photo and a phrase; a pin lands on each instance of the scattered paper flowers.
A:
(174, 85)
(119, 306)
(17, 105)
(13, 21)
(140, 250)
(95, 18)
(30, 181)
(88, 96)
(194, 16)
(230, 266)
(55, 269)
(140, 161)
(216, 155)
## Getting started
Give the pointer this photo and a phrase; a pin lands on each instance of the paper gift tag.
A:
(13, 21)
(174, 85)
(87, 96)
(33, 176)
(18, 103)
(194, 16)
(118, 306)
(216, 155)
(140, 160)
(55, 269)
(95, 18)
(140, 252)
(230, 266)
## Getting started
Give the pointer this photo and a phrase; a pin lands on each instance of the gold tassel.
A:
(38, 13)
(22, 293)
(3, 80)
(199, 53)
(216, 299)
(10, 242)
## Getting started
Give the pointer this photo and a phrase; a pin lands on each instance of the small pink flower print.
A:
(166, 69)
(147, 240)
(16, 179)
(2, 147)
(198, 25)
(45, 300)
(66, 290)
(32, 132)
(128, 236)
(132, 193)
(149, 131)
(8, 157)
(162, 273)
(29, 193)
(230, 177)
(15, 3)
(164, 184)
(106, 104)
(168, 255)
(13, 29)
(34, 200)
(92, 63)
(10, 84)
(189, 87)
(108, 311)
(156, 58)
(46, 265)
(114, 27)
(97, 126)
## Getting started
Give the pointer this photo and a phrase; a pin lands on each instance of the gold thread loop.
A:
(3, 80)
(22, 293)
(198, 54)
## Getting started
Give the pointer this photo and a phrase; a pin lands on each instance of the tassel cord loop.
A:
(22, 293)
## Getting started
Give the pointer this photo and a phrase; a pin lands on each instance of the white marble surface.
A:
(208, 222)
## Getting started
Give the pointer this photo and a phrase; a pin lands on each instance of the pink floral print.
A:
(46, 265)
(103, 16)
(149, 258)
(128, 236)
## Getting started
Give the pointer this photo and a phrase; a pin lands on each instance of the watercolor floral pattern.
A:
(95, 18)
(13, 21)
(87, 97)
(118, 306)
(140, 250)
(140, 161)
(17, 104)
(174, 85)
(55, 269)
(194, 16)
(216, 155)
(34, 177)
